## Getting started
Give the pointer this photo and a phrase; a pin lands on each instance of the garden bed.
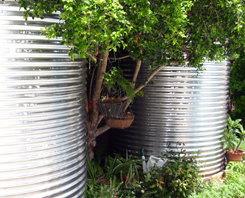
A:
(116, 176)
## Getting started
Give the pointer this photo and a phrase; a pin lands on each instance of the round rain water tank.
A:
(42, 111)
(184, 106)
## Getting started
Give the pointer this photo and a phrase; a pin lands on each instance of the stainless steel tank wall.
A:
(180, 106)
(42, 111)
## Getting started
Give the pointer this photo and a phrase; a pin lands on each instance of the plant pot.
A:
(237, 157)
(110, 106)
(121, 121)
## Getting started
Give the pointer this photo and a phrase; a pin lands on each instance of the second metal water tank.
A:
(180, 106)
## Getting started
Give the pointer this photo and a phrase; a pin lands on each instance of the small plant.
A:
(95, 190)
(94, 170)
(177, 178)
(134, 190)
(115, 166)
(234, 134)
(128, 169)
(110, 164)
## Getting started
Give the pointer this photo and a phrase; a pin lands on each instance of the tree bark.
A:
(136, 72)
(91, 143)
(99, 80)
(93, 115)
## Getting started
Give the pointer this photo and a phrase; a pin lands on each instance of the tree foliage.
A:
(153, 30)
(237, 86)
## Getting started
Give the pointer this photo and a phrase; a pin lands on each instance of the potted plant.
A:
(234, 134)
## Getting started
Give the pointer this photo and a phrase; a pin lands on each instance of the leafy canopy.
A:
(154, 30)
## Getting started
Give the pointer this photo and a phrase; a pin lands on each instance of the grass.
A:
(231, 186)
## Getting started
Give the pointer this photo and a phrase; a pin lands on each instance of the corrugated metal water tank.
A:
(180, 106)
(42, 114)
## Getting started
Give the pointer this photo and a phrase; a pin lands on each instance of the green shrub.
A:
(177, 178)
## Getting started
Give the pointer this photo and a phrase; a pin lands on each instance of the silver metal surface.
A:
(42, 112)
(180, 106)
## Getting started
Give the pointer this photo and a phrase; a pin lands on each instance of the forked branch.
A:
(146, 81)
(120, 58)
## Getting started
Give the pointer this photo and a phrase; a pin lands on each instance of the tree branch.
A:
(99, 120)
(91, 84)
(101, 130)
(146, 81)
(172, 62)
(149, 78)
(127, 104)
(120, 58)
(185, 49)
(136, 72)
(92, 56)
(86, 102)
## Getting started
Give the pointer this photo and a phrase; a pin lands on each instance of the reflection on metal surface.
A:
(184, 107)
(42, 114)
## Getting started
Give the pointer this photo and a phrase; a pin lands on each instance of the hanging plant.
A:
(115, 85)
(110, 106)
(122, 121)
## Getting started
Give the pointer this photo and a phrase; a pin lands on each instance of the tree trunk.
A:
(92, 133)
(93, 118)
(91, 143)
